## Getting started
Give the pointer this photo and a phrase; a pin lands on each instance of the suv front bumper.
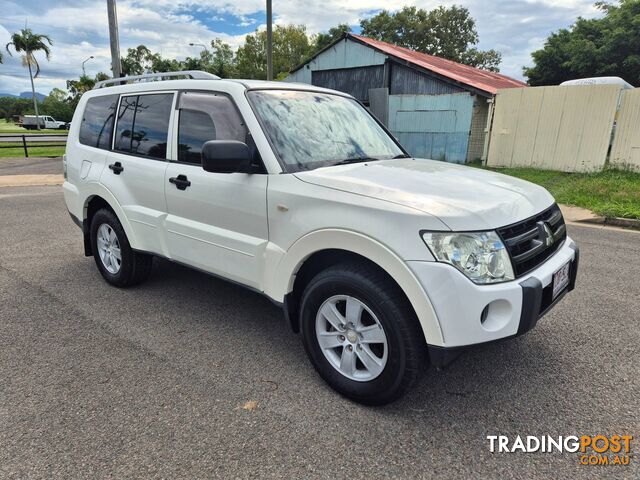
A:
(470, 314)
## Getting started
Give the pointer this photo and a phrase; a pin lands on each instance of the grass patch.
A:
(610, 193)
(16, 150)
(8, 127)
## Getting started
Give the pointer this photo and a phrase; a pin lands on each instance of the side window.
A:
(97, 121)
(204, 117)
(143, 124)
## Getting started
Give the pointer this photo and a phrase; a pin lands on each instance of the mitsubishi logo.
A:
(545, 234)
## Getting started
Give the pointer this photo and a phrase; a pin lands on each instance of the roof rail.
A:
(158, 76)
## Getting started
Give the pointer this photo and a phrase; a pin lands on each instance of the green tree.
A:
(222, 61)
(218, 59)
(85, 83)
(160, 64)
(592, 47)
(447, 32)
(138, 60)
(57, 105)
(290, 47)
(323, 39)
(30, 43)
(11, 106)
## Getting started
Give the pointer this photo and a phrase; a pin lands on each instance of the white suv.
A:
(380, 260)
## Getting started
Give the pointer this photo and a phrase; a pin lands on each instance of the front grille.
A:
(527, 241)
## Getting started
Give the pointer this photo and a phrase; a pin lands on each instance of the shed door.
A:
(432, 126)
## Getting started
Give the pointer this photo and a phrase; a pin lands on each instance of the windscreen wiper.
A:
(355, 160)
(402, 155)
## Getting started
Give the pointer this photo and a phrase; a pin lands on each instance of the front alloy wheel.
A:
(361, 333)
(351, 338)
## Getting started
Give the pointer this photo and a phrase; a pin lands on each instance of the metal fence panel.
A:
(625, 152)
(564, 128)
(432, 126)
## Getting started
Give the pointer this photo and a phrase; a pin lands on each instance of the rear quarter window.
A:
(143, 125)
(97, 121)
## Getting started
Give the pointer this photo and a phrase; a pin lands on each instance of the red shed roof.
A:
(483, 80)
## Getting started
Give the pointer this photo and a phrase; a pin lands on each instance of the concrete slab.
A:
(30, 180)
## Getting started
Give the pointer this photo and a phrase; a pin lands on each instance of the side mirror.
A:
(226, 156)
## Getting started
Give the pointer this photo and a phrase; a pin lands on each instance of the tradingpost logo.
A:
(591, 449)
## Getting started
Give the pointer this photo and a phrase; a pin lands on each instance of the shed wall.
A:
(405, 80)
(354, 81)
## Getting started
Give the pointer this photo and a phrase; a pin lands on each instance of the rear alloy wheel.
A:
(109, 249)
(361, 333)
(118, 263)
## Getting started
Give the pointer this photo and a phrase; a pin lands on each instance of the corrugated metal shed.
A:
(405, 80)
(340, 54)
(354, 81)
(432, 126)
(475, 77)
(344, 56)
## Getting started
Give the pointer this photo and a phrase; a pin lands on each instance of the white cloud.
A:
(79, 27)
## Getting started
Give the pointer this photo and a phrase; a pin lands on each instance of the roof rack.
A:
(156, 77)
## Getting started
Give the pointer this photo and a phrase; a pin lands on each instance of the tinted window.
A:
(205, 117)
(97, 121)
(143, 124)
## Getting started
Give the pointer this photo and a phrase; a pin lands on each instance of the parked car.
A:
(30, 122)
(381, 261)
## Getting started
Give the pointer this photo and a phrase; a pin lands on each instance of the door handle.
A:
(181, 182)
(116, 168)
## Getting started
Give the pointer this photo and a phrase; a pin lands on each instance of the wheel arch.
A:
(93, 203)
(320, 249)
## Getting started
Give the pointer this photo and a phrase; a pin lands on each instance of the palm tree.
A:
(28, 42)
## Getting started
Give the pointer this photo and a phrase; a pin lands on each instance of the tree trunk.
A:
(33, 93)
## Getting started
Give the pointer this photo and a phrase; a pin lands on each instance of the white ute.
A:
(30, 122)
(382, 261)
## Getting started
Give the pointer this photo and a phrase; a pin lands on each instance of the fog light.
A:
(496, 315)
(483, 315)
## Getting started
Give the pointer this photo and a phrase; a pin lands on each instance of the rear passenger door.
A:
(137, 162)
(219, 221)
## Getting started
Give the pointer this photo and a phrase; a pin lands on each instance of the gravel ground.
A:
(187, 376)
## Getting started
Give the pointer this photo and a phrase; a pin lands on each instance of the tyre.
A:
(361, 333)
(116, 260)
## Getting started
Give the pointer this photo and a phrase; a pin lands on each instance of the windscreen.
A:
(311, 129)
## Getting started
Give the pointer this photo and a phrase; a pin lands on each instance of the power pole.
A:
(116, 68)
(269, 43)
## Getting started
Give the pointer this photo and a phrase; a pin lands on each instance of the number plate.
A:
(561, 279)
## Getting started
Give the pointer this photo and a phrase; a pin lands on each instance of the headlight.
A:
(481, 256)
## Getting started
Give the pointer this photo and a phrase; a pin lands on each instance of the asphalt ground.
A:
(30, 166)
(187, 376)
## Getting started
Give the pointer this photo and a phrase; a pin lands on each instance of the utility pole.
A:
(116, 68)
(269, 43)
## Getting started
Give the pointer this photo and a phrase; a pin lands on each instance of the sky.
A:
(79, 28)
